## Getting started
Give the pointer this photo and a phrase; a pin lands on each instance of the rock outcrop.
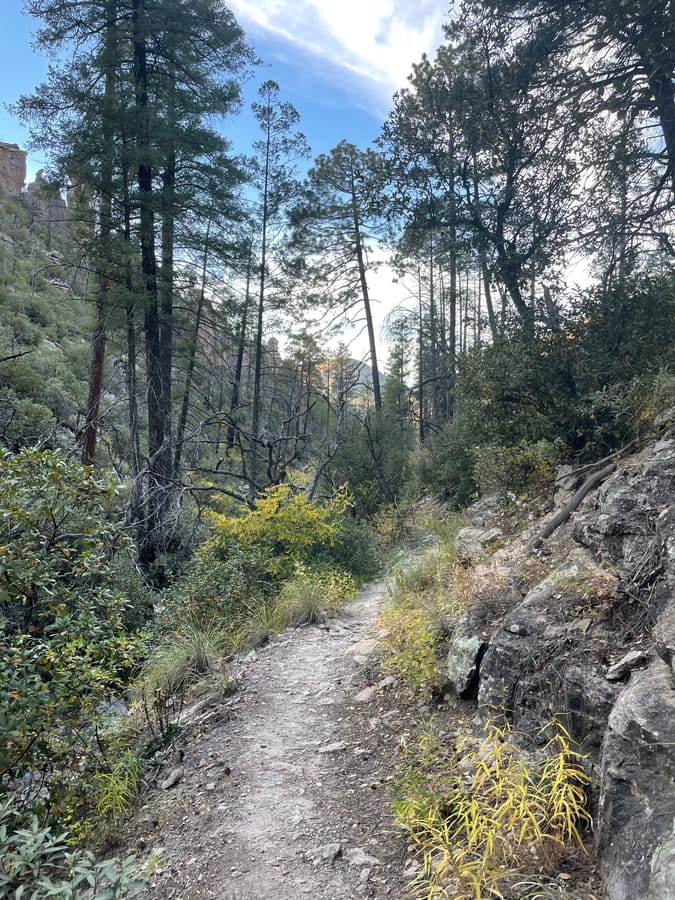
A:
(547, 656)
(47, 205)
(12, 169)
(593, 642)
(636, 811)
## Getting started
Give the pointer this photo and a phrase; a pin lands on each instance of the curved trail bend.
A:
(285, 798)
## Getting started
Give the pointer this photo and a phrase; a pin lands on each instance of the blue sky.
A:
(338, 61)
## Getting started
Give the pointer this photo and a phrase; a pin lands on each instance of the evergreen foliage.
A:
(137, 335)
(63, 648)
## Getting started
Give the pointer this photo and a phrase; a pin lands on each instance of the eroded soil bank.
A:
(281, 792)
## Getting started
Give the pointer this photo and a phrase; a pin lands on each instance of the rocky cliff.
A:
(12, 169)
(42, 198)
(47, 206)
(589, 637)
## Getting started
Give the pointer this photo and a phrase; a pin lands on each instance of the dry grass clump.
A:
(426, 598)
(484, 815)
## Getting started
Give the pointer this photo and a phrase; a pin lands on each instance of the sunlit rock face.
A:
(12, 169)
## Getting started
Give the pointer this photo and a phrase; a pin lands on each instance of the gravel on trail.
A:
(282, 794)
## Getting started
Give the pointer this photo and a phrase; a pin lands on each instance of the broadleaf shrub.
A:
(286, 524)
(63, 649)
(36, 863)
(248, 557)
(504, 470)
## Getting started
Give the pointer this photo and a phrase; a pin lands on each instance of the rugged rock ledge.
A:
(12, 169)
(590, 638)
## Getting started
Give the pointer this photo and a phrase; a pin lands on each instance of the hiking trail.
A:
(281, 792)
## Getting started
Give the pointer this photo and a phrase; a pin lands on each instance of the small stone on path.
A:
(363, 648)
(357, 856)
(365, 695)
(172, 778)
(334, 748)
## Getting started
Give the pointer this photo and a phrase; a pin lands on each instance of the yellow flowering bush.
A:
(284, 525)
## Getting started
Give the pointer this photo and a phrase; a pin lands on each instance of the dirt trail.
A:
(284, 797)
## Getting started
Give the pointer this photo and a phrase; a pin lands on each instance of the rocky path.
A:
(284, 797)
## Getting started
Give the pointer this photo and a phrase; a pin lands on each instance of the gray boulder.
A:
(630, 524)
(464, 655)
(471, 542)
(587, 701)
(637, 801)
(545, 654)
(664, 635)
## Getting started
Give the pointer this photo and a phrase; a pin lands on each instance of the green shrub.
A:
(578, 384)
(248, 557)
(519, 469)
(446, 463)
(373, 460)
(36, 864)
(354, 550)
(62, 646)
(219, 587)
(23, 421)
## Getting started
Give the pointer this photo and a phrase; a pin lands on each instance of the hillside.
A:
(291, 777)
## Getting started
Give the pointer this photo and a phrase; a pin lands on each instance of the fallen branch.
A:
(598, 462)
(4, 359)
(567, 510)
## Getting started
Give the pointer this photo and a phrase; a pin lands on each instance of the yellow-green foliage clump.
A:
(409, 648)
(285, 523)
(484, 815)
(258, 573)
(427, 597)
(235, 578)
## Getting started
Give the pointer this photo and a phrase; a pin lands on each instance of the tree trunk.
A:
(236, 385)
(98, 341)
(420, 359)
(182, 421)
(166, 308)
(156, 485)
(662, 87)
(377, 394)
(257, 372)
(135, 512)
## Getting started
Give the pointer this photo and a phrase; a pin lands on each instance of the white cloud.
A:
(371, 43)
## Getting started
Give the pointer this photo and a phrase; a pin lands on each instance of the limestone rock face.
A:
(12, 169)
(47, 204)
(637, 800)
(595, 642)
(664, 636)
(632, 523)
(545, 655)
